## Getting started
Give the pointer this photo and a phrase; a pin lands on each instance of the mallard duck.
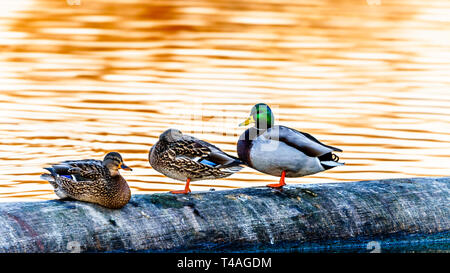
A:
(91, 180)
(186, 158)
(281, 151)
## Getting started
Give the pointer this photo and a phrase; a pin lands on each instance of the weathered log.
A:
(395, 215)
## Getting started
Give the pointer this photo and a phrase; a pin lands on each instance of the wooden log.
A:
(394, 215)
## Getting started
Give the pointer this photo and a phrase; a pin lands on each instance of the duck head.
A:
(113, 161)
(261, 116)
(171, 135)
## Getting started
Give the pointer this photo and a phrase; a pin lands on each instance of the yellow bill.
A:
(248, 121)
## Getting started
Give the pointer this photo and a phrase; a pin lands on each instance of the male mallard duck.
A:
(282, 151)
(187, 158)
(91, 180)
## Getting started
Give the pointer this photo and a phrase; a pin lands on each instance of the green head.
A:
(261, 115)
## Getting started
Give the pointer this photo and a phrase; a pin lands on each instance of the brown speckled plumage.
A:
(184, 157)
(91, 180)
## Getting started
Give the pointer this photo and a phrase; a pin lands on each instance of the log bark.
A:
(394, 215)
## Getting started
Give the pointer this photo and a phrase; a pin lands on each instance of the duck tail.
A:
(52, 171)
(330, 164)
(50, 177)
(329, 161)
(236, 163)
(232, 169)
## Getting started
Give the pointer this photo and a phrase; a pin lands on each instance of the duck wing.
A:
(79, 170)
(206, 153)
(304, 142)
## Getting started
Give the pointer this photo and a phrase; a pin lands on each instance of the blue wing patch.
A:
(68, 176)
(207, 162)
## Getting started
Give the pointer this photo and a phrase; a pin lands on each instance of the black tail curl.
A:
(329, 157)
(334, 157)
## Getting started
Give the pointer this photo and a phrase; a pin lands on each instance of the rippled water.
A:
(79, 78)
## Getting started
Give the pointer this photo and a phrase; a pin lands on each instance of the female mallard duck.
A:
(282, 151)
(91, 180)
(187, 158)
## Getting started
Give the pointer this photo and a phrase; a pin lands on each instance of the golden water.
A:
(79, 78)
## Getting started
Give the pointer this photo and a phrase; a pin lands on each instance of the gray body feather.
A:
(280, 148)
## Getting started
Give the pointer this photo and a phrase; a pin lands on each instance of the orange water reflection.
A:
(80, 80)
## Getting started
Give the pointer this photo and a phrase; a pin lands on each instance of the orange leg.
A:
(186, 188)
(281, 184)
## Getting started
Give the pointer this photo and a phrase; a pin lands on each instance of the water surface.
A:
(80, 78)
